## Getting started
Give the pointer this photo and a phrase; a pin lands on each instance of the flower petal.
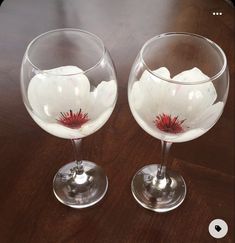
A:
(191, 75)
(147, 94)
(64, 70)
(208, 117)
(105, 93)
(204, 93)
(95, 124)
(162, 72)
(50, 94)
(102, 97)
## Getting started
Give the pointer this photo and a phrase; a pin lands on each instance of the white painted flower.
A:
(68, 106)
(175, 112)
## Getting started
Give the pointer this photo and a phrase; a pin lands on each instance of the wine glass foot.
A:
(157, 198)
(83, 190)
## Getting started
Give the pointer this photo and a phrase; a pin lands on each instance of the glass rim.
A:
(212, 43)
(98, 39)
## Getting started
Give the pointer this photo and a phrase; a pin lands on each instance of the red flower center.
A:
(169, 124)
(73, 120)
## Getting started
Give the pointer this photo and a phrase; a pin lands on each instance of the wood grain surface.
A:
(29, 157)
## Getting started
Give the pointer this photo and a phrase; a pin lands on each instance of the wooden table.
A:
(30, 157)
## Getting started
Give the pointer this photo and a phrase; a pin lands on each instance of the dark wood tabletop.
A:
(29, 157)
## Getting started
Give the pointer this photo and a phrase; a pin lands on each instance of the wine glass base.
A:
(156, 199)
(84, 191)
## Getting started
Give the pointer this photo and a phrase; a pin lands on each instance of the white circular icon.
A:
(218, 228)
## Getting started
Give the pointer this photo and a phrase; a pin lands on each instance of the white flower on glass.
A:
(175, 112)
(67, 105)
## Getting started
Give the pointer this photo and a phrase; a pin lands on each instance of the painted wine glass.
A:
(177, 90)
(69, 88)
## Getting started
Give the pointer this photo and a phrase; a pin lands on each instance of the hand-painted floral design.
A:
(64, 102)
(175, 111)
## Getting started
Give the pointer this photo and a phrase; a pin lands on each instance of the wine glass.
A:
(177, 90)
(69, 88)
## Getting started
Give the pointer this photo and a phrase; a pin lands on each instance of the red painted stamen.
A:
(169, 124)
(73, 120)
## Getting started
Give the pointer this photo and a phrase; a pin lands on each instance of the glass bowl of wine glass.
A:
(177, 90)
(69, 88)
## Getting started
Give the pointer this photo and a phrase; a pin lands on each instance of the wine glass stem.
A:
(78, 154)
(161, 173)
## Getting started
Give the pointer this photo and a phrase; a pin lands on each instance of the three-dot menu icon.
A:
(217, 13)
